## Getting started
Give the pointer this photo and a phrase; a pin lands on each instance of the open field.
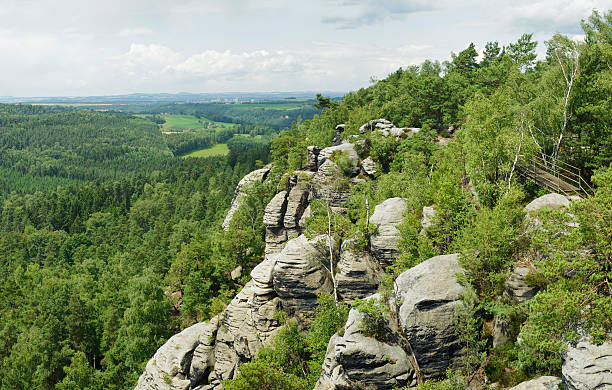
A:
(217, 150)
(174, 122)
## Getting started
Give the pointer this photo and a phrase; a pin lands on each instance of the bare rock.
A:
(386, 217)
(275, 211)
(312, 158)
(257, 176)
(297, 201)
(236, 273)
(348, 149)
(539, 383)
(358, 272)
(300, 274)
(376, 124)
(517, 287)
(549, 201)
(429, 294)
(330, 185)
(170, 366)
(428, 216)
(587, 366)
(355, 361)
(369, 166)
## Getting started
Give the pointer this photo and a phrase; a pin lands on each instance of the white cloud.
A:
(553, 15)
(126, 32)
(355, 14)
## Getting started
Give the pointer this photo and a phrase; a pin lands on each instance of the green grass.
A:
(180, 122)
(217, 150)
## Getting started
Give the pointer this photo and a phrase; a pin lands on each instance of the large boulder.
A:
(587, 366)
(549, 201)
(428, 295)
(348, 149)
(330, 184)
(301, 272)
(171, 365)
(376, 124)
(275, 211)
(386, 217)
(257, 176)
(369, 166)
(355, 361)
(539, 383)
(358, 273)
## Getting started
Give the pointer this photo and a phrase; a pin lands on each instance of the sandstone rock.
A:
(548, 201)
(369, 166)
(348, 149)
(587, 366)
(297, 201)
(170, 366)
(539, 383)
(275, 240)
(376, 124)
(256, 176)
(358, 273)
(236, 273)
(305, 215)
(338, 138)
(502, 332)
(356, 361)
(275, 211)
(300, 273)
(312, 158)
(386, 217)
(429, 294)
(330, 185)
(517, 287)
(428, 215)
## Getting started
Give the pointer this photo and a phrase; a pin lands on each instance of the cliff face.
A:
(420, 341)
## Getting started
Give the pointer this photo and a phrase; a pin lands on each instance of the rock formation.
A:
(358, 272)
(539, 383)
(428, 295)
(386, 217)
(256, 176)
(587, 366)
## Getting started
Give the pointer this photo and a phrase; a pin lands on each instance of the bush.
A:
(375, 319)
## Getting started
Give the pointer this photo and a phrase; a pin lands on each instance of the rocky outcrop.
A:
(587, 366)
(539, 383)
(256, 176)
(355, 361)
(386, 128)
(386, 217)
(369, 166)
(330, 185)
(549, 201)
(428, 295)
(300, 273)
(358, 272)
(428, 216)
(172, 363)
(338, 138)
(517, 287)
(312, 158)
(347, 149)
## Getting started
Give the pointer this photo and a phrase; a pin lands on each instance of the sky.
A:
(105, 47)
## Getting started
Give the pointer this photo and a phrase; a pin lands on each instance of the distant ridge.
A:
(167, 97)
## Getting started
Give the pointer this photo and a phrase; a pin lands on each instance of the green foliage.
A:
(375, 317)
(453, 381)
(502, 366)
(489, 246)
(468, 325)
(260, 374)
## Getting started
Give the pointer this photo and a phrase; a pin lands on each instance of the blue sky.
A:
(83, 47)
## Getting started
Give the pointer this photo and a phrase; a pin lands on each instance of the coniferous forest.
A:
(110, 244)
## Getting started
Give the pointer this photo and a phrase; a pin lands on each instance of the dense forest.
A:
(109, 245)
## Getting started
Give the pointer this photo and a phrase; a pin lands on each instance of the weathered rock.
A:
(297, 201)
(275, 240)
(305, 215)
(300, 273)
(203, 359)
(330, 185)
(548, 201)
(429, 294)
(369, 166)
(376, 124)
(236, 273)
(587, 366)
(338, 137)
(517, 287)
(312, 158)
(356, 361)
(256, 176)
(275, 211)
(386, 217)
(347, 149)
(358, 273)
(428, 216)
(539, 383)
(170, 366)
(502, 330)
